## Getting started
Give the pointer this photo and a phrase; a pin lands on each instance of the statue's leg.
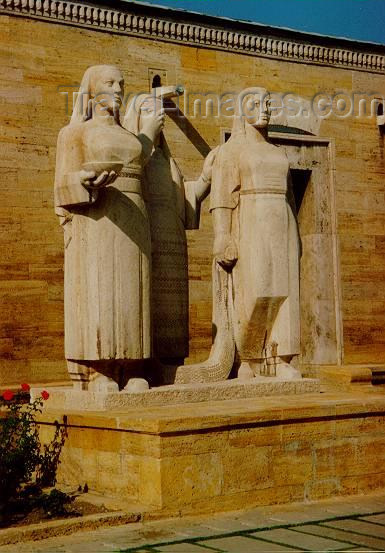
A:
(286, 329)
(79, 372)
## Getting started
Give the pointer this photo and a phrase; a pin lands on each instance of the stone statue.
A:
(256, 254)
(173, 206)
(107, 262)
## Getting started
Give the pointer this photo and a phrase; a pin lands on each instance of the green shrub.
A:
(23, 460)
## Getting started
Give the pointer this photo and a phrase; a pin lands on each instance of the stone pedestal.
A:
(225, 455)
(257, 388)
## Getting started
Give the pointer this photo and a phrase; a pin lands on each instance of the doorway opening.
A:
(156, 81)
(300, 179)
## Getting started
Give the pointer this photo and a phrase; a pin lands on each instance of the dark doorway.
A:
(300, 179)
(156, 81)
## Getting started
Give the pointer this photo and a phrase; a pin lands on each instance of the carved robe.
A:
(251, 179)
(172, 208)
(107, 247)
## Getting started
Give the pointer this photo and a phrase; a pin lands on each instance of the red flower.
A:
(45, 395)
(25, 387)
(8, 395)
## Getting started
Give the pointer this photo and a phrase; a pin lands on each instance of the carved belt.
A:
(128, 184)
(125, 173)
(263, 191)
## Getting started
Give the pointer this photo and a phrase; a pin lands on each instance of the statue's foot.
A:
(285, 371)
(104, 384)
(245, 372)
(136, 385)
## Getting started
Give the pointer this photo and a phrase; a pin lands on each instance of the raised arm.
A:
(152, 125)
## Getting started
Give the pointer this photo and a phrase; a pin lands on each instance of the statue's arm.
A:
(152, 126)
(202, 187)
(225, 250)
(197, 191)
(203, 184)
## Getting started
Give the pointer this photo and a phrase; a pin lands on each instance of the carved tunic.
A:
(171, 210)
(252, 179)
(107, 247)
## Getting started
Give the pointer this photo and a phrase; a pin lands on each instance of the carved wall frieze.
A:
(165, 28)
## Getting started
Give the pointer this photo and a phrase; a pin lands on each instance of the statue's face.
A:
(109, 88)
(256, 107)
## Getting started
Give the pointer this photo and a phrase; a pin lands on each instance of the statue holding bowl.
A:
(107, 262)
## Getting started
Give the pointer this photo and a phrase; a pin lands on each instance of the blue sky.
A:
(357, 19)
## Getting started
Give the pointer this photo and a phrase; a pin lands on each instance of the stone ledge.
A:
(48, 529)
(65, 399)
(171, 419)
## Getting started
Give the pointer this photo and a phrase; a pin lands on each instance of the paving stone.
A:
(240, 544)
(231, 525)
(181, 548)
(252, 523)
(378, 519)
(146, 535)
(333, 533)
(125, 537)
(193, 530)
(298, 516)
(366, 506)
(301, 541)
(359, 526)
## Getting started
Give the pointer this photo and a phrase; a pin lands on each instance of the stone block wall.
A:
(223, 457)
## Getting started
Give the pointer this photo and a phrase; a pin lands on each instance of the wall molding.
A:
(165, 28)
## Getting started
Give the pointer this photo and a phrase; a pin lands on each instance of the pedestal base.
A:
(260, 387)
(226, 455)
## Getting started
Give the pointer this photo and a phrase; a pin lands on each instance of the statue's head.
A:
(107, 86)
(147, 108)
(102, 86)
(142, 106)
(254, 107)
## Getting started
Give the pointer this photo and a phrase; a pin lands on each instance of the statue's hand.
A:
(207, 170)
(153, 123)
(225, 252)
(91, 180)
